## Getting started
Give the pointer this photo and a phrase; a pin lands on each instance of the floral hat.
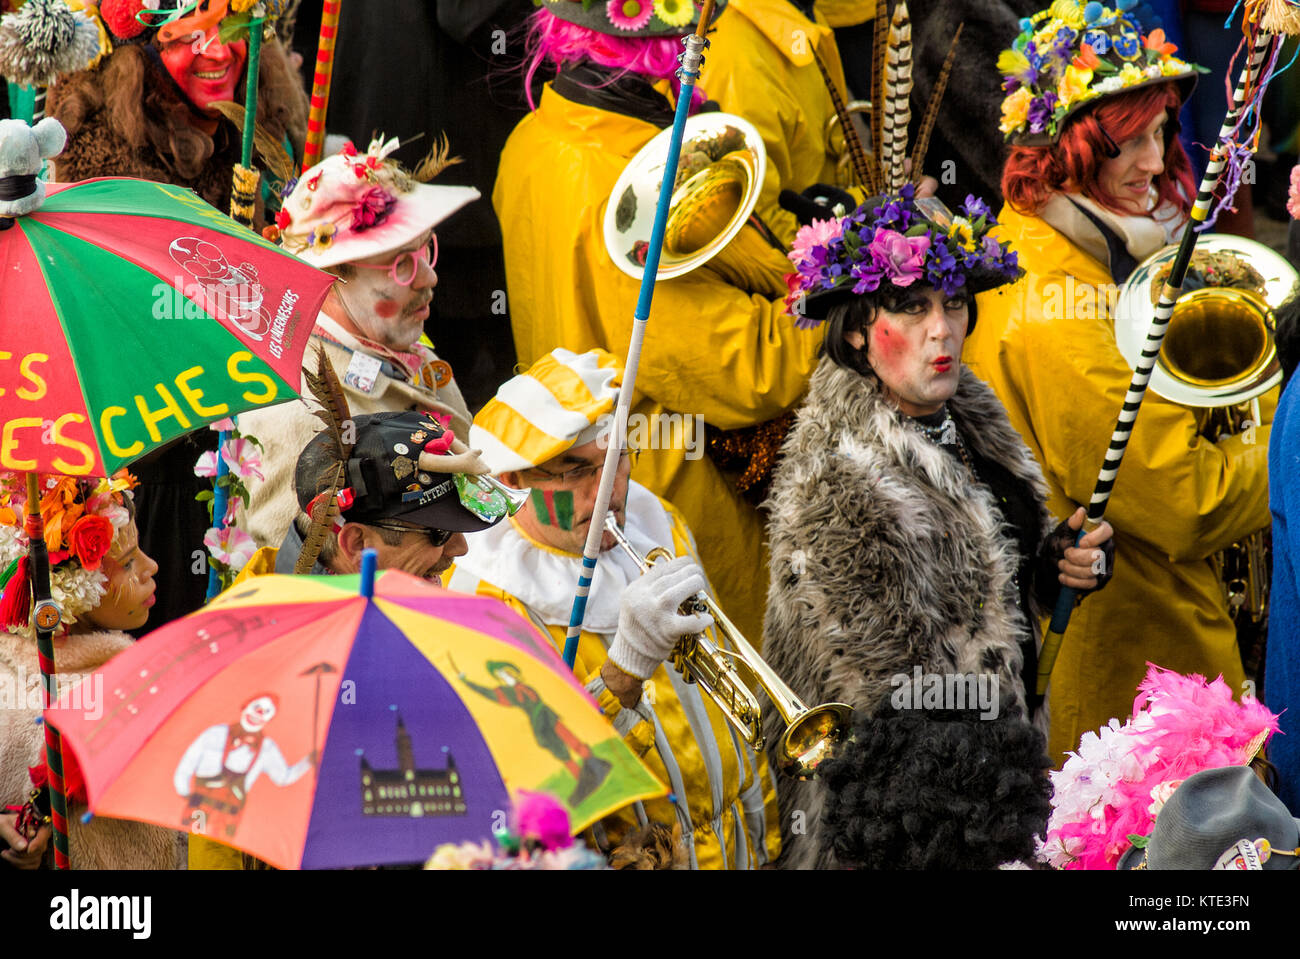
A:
(1067, 56)
(631, 18)
(899, 240)
(352, 205)
(82, 521)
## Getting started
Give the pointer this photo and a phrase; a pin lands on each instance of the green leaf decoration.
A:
(1139, 842)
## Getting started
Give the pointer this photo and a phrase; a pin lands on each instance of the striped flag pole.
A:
(320, 85)
(689, 72)
(45, 617)
(1266, 47)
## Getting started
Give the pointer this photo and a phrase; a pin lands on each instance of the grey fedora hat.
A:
(1220, 819)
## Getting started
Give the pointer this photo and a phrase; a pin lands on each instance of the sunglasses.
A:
(437, 537)
(406, 267)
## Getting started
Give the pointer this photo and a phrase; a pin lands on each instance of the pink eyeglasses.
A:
(403, 270)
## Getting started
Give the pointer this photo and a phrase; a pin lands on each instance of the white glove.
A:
(649, 623)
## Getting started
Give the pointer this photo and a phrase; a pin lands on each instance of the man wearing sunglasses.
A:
(415, 519)
(369, 222)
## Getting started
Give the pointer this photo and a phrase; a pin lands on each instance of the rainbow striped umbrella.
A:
(317, 727)
(132, 312)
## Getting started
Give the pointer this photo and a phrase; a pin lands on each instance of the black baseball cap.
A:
(387, 483)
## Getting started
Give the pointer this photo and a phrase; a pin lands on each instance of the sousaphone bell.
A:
(719, 178)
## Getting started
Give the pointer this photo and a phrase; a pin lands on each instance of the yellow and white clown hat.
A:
(563, 400)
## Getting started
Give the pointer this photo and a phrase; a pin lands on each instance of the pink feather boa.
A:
(1107, 790)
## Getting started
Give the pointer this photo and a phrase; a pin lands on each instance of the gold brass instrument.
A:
(730, 677)
(1218, 355)
(719, 179)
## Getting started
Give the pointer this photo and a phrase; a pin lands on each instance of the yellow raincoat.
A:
(1046, 346)
(711, 349)
(726, 797)
(760, 66)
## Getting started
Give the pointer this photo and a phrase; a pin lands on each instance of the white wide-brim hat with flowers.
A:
(1070, 55)
(352, 206)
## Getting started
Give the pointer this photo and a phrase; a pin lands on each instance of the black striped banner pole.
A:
(1155, 337)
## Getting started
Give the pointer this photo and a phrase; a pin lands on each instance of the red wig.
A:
(1033, 174)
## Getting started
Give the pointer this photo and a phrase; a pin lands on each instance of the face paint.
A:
(206, 69)
(553, 507)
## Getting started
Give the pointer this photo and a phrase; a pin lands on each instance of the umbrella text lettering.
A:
(9, 442)
(38, 387)
(170, 408)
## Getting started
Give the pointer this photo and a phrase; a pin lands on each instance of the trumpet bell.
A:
(1219, 349)
(720, 174)
(812, 737)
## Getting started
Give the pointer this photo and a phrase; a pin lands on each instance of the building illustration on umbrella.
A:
(408, 791)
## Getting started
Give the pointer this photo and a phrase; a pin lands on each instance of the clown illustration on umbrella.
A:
(222, 764)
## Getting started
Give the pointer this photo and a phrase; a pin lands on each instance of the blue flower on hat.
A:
(1099, 40)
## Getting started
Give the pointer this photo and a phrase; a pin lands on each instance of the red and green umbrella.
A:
(318, 727)
(132, 313)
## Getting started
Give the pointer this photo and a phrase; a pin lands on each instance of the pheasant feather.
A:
(879, 45)
(323, 384)
(857, 153)
(932, 109)
(898, 92)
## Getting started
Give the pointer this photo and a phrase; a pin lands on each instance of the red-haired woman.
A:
(1095, 182)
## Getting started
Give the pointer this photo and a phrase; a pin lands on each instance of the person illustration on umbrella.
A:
(551, 734)
(224, 761)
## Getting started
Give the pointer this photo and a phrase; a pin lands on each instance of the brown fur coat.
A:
(126, 117)
(102, 843)
(885, 556)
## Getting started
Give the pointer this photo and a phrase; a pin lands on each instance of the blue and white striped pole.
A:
(688, 73)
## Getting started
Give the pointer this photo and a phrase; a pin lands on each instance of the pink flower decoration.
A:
(902, 258)
(441, 443)
(226, 424)
(373, 207)
(816, 233)
(629, 14)
(242, 459)
(231, 546)
(540, 816)
(207, 464)
(1293, 194)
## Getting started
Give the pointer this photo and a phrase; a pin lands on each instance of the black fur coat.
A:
(886, 555)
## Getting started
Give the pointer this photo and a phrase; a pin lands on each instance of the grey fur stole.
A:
(885, 555)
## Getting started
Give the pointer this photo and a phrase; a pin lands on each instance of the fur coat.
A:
(886, 557)
(102, 843)
(127, 117)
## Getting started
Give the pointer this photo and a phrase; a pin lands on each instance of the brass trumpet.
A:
(730, 676)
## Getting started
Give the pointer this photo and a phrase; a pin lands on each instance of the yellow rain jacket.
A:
(711, 349)
(725, 797)
(1046, 346)
(760, 66)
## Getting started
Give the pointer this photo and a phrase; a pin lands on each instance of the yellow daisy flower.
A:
(675, 13)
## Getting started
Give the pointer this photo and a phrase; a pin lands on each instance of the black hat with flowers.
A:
(895, 241)
(631, 18)
(1070, 55)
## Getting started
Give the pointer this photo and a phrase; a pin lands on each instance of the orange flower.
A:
(1156, 41)
(1087, 59)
